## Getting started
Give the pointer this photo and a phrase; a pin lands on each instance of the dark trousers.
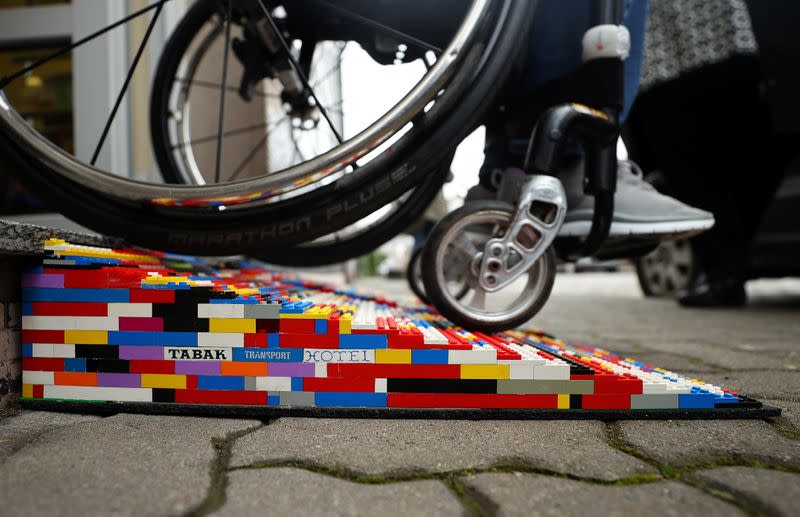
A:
(709, 132)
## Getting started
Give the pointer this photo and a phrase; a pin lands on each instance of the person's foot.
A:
(639, 209)
(703, 293)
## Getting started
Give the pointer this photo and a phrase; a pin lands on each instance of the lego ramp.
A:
(129, 330)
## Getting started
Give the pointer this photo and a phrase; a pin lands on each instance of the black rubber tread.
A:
(308, 217)
(435, 292)
(370, 238)
(411, 277)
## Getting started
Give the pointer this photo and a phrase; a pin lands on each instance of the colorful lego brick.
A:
(137, 326)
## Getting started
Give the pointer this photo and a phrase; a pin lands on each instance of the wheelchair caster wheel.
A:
(453, 254)
(414, 278)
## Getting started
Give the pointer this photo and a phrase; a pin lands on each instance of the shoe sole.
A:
(665, 230)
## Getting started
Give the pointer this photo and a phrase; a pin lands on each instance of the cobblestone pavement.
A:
(165, 465)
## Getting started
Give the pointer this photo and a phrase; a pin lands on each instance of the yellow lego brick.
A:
(563, 402)
(161, 380)
(86, 337)
(232, 325)
(27, 391)
(390, 356)
(484, 371)
(345, 324)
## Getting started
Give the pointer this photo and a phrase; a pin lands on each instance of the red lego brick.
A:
(43, 364)
(152, 296)
(309, 341)
(69, 309)
(292, 326)
(191, 382)
(255, 340)
(249, 398)
(477, 401)
(144, 366)
(332, 384)
(43, 336)
(395, 371)
(38, 391)
(606, 401)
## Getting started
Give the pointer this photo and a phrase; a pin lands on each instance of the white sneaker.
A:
(639, 209)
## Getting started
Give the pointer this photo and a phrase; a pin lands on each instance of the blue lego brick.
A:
(27, 308)
(90, 261)
(363, 341)
(75, 365)
(175, 338)
(27, 350)
(337, 399)
(297, 384)
(429, 357)
(321, 326)
(220, 382)
(33, 270)
(273, 340)
(131, 338)
(696, 401)
(47, 294)
(269, 355)
(273, 400)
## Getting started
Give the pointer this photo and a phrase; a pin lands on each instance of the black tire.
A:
(436, 292)
(369, 238)
(673, 278)
(321, 212)
(414, 276)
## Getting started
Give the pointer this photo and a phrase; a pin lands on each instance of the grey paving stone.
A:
(283, 491)
(790, 411)
(529, 494)
(121, 465)
(675, 363)
(383, 447)
(770, 491)
(771, 384)
(695, 442)
(702, 357)
(22, 429)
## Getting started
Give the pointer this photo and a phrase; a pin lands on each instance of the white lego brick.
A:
(551, 372)
(29, 377)
(336, 355)
(220, 310)
(320, 370)
(484, 356)
(98, 393)
(520, 371)
(653, 388)
(220, 339)
(131, 310)
(51, 350)
(381, 386)
(432, 336)
(274, 383)
(70, 323)
(198, 354)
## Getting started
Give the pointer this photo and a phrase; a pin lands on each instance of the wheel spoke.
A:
(256, 149)
(231, 132)
(298, 69)
(380, 26)
(221, 121)
(465, 246)
(39, 62)
(479, 298)
(213, 85)
(124, 89)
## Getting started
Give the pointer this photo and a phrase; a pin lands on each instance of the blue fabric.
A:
(555, 43)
